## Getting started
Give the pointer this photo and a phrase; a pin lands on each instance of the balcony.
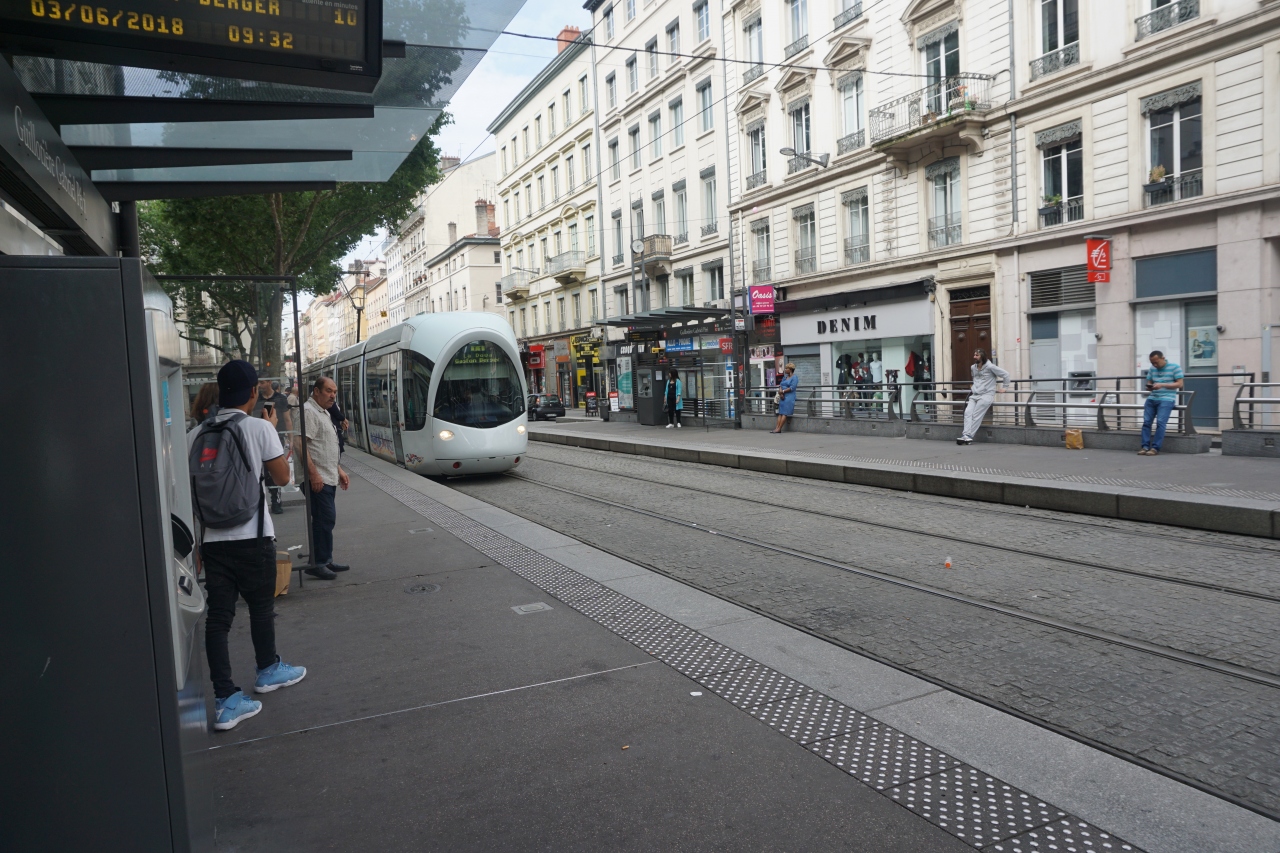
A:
(710, 228)
(795, 47)
(1063, 57)
(756, 180)
(853, 13)
(517, 283)
(1174, 187)
(806, 260)
(798, 164)
(1177, 12)
(657, 247)
(617, 260)
(851, 142)
(682, 238)
(944, 230)
(761, 272)
(857, 250)
(752, 73)
(951, 105)
(568, 267)
(1070, 210)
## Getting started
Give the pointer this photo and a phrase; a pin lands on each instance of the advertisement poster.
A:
(613, 402)
(593, 404)
(761, 298)
(1202, 346)
(679, 344)
(624, 382)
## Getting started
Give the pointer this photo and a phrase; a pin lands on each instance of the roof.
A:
(469, 240)
(663, 317)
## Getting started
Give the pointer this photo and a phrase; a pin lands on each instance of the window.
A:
(517, 198)
(520, 259)
(655, 135)
(806, 239)
(709, 205)
(615, 169)
(761, 268)
(537, 131)
(558, 241)
(591, 235)
(633, 137)
(630, 6)
(608, 23)
(497, 257)
(542, 191)
(506, 213)
(753, 34)
(611, 91)
(673, 41)
(566, 101)
(1063, 183)
(857, 241)
(677, 123)
(633, 75)
(555, 182)
(525, 133)
(1176, 153)
(551, 121)
(511, 318)
(515, 152)
(577, 310)
(1059, 24)
(533, 315)
(660, 215)
(637, 221)
(480, 387)
(504, 160)
(682, 215)
(569, 179)
(595, 304)
(851, 111)
(687, 296)
(705, 115)
(560, 313)
(651, 52)
(800, 128)
(582, 96)
(702, 15)
(944, 181)
(617, 240)
(756, 144)
(573, 236)
(941, 67)
(542, 244)
(546, 312)
(798, 22)
(715, 283)
(498, 288)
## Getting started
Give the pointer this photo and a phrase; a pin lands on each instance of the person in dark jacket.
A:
(340, 424)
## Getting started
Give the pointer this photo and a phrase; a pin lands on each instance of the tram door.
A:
(381, 404)
(394, 360)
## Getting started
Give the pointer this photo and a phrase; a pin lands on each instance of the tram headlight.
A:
(446, 434)
(520, 429)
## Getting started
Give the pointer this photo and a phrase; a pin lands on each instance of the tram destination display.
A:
(326, 43)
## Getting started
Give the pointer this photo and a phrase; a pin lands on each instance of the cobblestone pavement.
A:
(1219, 730)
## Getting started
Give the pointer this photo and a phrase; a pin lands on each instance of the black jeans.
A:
(673, 414)
(324, 515)
(244, 568)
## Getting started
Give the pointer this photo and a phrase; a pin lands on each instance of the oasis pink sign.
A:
(761, 298)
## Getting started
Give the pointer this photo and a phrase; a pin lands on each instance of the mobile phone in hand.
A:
(268, 410)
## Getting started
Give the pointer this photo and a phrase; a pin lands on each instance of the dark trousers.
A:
(324, 514)
(673, 414)
(244, 568)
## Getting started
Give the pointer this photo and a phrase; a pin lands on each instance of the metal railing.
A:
(566, 262)
(761, 271)
(852, 141)
(657, 247)
(1071, 210)
(944, 230)
(938, 101)
(518, 280)
(756, 180)
(1177, 12)
(806, 260)
(617, 260)
(1175, 187)
(710, 228)
(682, 238)
(857, 250)
(853, 13)
(795, 47)
(1063, 57)
(869, 401)
(1249, 403)
(797, 164)
(752, 73)
(1105, 410)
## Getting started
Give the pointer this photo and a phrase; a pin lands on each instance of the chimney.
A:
(453, 233)
(482, 218)
(567, 36)
(491, 221)
(448, 162)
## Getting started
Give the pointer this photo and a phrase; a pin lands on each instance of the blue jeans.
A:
(1158, 411)
(324, 514)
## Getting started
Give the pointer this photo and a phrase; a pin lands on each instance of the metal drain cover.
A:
(536, 607)
(419, 588)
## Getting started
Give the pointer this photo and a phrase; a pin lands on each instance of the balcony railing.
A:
(798, 164)
(853, 13)
(1175, 188)
(1177, 12)
(806, 260)
(1070, 210)
(566, 262)
(852, 141)
(617, 260)
(682, 238)
(951, 96)
(761, 272)
(795, 47)
(518, 280)
(1059, 59)
(944, 230)
(657, 247)
(857, 250)
(756, 180)
(752, 73)
(710, 228)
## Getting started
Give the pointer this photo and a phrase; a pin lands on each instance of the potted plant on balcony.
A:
(959, 100)
(1052, 203)
(1155, 179)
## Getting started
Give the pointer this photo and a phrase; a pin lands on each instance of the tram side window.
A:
(349, 399)
(480, 387)
(417, 390)
(376, 392)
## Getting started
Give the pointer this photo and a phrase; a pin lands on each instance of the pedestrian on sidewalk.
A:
(787, 396)
(1164, 380)
(340, 423)
(673, 399)
(204, 405)
(983, 393)
(231, 455)
(325, 476)
(269, 397)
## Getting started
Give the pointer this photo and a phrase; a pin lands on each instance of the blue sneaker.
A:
(278, 675)
(227, 713)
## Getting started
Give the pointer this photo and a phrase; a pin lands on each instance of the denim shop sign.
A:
(878, 320)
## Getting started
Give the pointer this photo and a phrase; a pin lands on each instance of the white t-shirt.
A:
(261, 444)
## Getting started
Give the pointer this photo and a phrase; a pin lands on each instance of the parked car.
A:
(545, 407)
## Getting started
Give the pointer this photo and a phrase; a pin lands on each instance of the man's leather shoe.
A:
(324, 573)
(338, 567)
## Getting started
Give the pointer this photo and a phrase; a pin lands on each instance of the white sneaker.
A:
(679, 426)
(669, 426)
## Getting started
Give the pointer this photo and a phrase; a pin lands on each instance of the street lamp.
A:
(359, 309)
(821, 160)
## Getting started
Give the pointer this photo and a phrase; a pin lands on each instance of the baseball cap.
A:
(236, 381)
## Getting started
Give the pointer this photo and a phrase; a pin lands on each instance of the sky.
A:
(506, 69)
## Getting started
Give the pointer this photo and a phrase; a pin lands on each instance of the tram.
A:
(441, 394)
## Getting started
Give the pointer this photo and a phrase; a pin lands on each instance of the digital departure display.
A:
(341, 37)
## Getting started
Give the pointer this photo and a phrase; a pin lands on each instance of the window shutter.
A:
(1064, 286)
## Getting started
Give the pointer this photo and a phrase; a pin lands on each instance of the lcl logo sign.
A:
(1098, 263)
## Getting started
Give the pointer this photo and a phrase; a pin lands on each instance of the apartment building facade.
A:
(947, 158)
(548, 211)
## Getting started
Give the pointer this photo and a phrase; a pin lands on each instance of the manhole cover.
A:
(418, 588)
(536, 607)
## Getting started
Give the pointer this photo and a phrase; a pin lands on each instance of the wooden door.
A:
(970, 330)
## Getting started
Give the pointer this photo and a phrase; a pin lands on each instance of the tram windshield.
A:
(480, 387)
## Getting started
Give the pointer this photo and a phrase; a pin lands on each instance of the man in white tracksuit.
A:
(985, 376)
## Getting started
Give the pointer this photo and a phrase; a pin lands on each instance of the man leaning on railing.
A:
(1164, 381)
(986, 373)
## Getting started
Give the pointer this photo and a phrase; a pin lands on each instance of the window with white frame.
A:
(685, 280)
(633, 75)
(590, 224)
(849, 88)
(617, 240)
(677, 123)
(941, 56)
(516, 195)
(537, 131)
(542, 244)
(655, 135)
(630, 6)
(709, 212)
(633, 138)
(555, 183)
(798, 21)
(637, 220)
(615, 168)
(577, 310)
(800, 126)
(756, 146)
(608, 23)
(593, 296)
(573, 236)
(660, 214)
(515, 153)
(673, 41)
(506, 213)
(611, 91)
(1062, 159)
(557, 239)
(582, 96)
(533, 315)
(524, 132)
(682, 212)
(702, 15)
(715, 283)
(944, 190)
(570, 180)
(651, 55)
(524, 322)
(504, 160)
(566, 101)
(857, 226)
(806, 227)
(706, 115)
(560, 313)
(542, 192)
(753, 37)
(762, 265)
(1060, 30)
(551, 121)
(1175, 147)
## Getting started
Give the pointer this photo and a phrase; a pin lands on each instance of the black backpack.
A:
(225, 489)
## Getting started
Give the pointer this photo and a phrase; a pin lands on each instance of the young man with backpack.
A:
(231, 455)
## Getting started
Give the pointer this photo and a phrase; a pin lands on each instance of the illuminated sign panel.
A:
(330, 43)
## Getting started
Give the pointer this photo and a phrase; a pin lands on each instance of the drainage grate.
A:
(420, 588)
(972, 806)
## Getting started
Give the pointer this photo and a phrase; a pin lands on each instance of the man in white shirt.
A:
(325, 476)
(241, 562)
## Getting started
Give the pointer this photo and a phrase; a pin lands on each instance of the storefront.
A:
(587, 369)
(764, 347)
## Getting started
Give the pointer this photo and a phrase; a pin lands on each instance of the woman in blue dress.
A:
(787, 391)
